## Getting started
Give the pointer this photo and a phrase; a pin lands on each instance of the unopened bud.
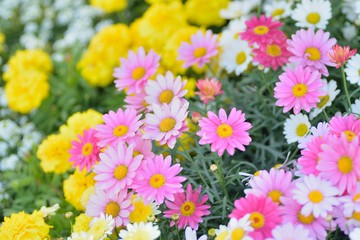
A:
(151, 218)
(175, 217)
(195, 117)
(213, 167)
(68, 215)
(261, 67)
(211, 232)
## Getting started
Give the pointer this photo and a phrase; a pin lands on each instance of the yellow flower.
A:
(160, 1)
(204, 12)
(85, 197)
(141, 210)
(109, 6)
(75, 186)
(22, 226)
(2, 40)
(82, 223)
(190, 86)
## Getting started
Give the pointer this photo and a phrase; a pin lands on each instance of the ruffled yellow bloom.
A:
(204, 12)
(82, 223)
(141, 210)
(109, 6)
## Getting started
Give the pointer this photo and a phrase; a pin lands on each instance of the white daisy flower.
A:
(49, 211)
(232, 32)
(355, 234)
(349, 31)
(191, 235)
(317, 196)
(236, 9)
(320, 130)
(352, 69)
(101, 227)
(290, 231)
(326, 100)
(143, 231)
(80, 236)
(348, 9)
(236, 57)
(312, 13)
(238, 229)
(278, 9)
(296, 127)
(355, 107)
(222, 232)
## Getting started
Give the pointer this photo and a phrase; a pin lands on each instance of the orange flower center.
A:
(200, 52)
(187, 208)
(349, 135)
(112, 208)
(138, 73)
(224, 130)
(257, 220)
(157, 180)
(261, 30)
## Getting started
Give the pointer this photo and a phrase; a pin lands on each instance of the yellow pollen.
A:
(356, 197)
(356, 216)
(257, 220)
(349, 135)
(87, 149)
(275, 195)
(187, 208)
(157, 180)
(313, 18)
(200, 52)
(166, 96)
(323, 101)
(313, 53)
(277, 12)
(237, 234)
(261, 30)
(315, 196)
(273, 50)
(301, 130)
(240, 58)
(257, 173)
(138, 73)
(167, 124)
(306, 219)
(345, 165)
(299, 90)
(120, 172)
(224, 130)
(112, 208)
(120, 130)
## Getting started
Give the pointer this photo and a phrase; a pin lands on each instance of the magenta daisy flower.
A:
(136, 101)
(261, 30)
(223, 132)
(157, 179)
(310, 49)
(117, 168)
(298, 89)
(167, 123)
(200, 50)
(264, 214)
(345, 125)
(190, 207)
(118, 127)
(116, 205)
(290, 231)
(136, 70)
(84, 151)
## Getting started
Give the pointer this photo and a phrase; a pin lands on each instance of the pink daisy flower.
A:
(208, 89)
(310, 49)
(167, 123)
(136, 101)
(348, 125)
(351, 202)
(117, 168)
(320, 130)
(200, 50)
(223, 132)
(190, 207)
(135, 71)
(84, 151)
(118, 127)
(116, 205)
(290, 231)
(141, 146)
(264, 214)
(340, 55)
(298, 89)
(346, 223)
(261, 30)
(157, 179)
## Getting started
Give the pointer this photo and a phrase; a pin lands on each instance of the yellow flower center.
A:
(112, 208)
(200, 52)
(301, 130)
(356, 197)
(257, 220)
(313, 18)
(87, 149)
(275, 195)
(315, 196)
(277, 12)
(306, 219)
(157, 180)
(299, 90)
(166, 96)
(273, 50)
(314, 53)
(136, 153)
(167, 124)
(138, 73)
(120, 172)
(257, 173)
(356, 216)
(240, 58)
(237, 234)
(224, 130)
(349, 135)
(187, 208)
(120, 130)
(345, 165)
(261, 30)
(323, 101)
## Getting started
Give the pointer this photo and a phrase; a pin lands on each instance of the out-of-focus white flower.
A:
(9, 163)
(236, 9)
(49, 211)
(80, 236)
(191, 235)
(8, 130)
(4, 147)
(30, 41)
(349, 31)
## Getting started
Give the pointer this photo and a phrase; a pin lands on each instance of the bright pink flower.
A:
(141, 146)
(264, 214)
(190, 207)
(135, 71)
(118, 127)
(223, 132)
(209, 88)
(261, 30)
(200, 50)
(298, 89)
(348, 125)
(84, 151)
(136, 101)
(157, 179)
(340, 55)
(310, 49)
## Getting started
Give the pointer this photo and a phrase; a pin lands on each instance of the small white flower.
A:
(355, 107)
(232, 32)
(9, 163)
(312, 13)
(191, 235)
(352, 69)
(144, 231)
(296, 127)
(80, 236)
(278, 9)
(236, 9)
(49, 211)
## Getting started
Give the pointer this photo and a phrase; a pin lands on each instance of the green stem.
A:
(220, 175)
(326, 116)
(266, 83)
(345, 88)
(177, 232)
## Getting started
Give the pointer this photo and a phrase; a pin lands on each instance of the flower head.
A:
(340, 55)
(290, 231)
(208, 89)
(345, 125)
(102, 226)
(143, 231)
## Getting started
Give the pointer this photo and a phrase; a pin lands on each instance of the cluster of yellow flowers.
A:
(109, 6)
(27, 80)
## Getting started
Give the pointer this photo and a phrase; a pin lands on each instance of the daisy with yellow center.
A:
(140, 231)
(296, 127)
(312, 13)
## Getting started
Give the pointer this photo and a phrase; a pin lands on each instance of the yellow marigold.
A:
(141, 210)
(2, 40)
(53, 153)
(82, 223)
(75, 186)
(190, 86)
(204, 12)
(22, 226)
(109, 6)
(85, 197)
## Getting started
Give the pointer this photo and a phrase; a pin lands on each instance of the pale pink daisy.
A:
(117, 168)
(320, 130)
(141, 146)
(116, 205)
(318, 196)
(264, 214)
(84, 151)
(135, 71)
(351, 202)
(290, 231)
(310, 49)
(118, 127)
(208, 89)
(298, 89)
(136, 101)
(200, 50)
(225, 132)
(348, 125)
(167, 123)
(190, 206)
